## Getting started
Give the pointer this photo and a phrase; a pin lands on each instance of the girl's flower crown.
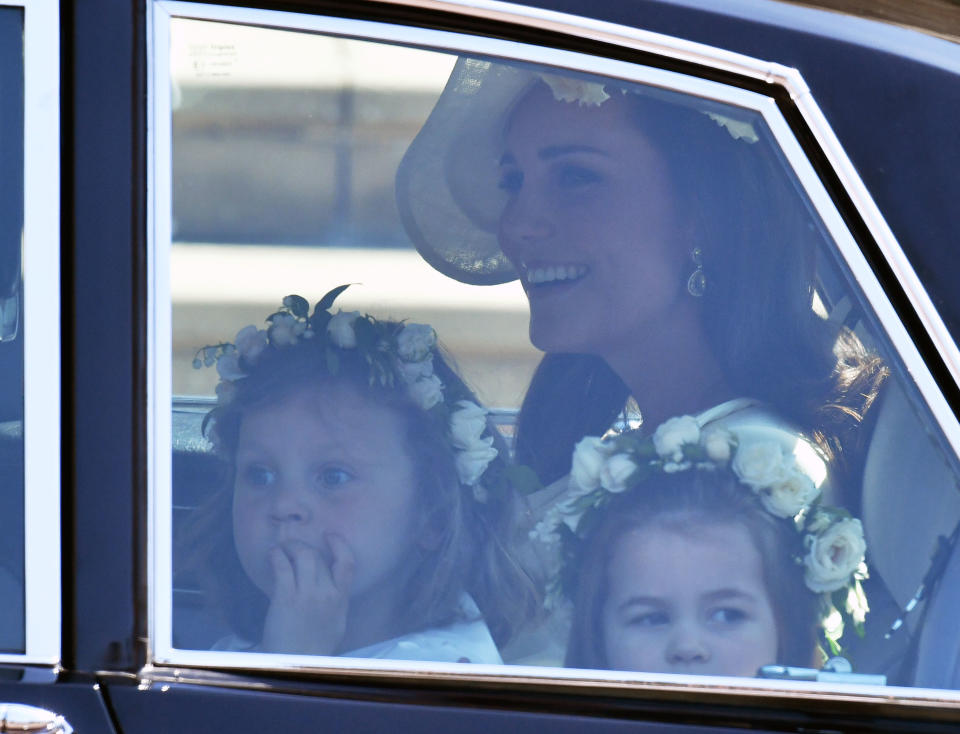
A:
(395, 353)
(832, 541)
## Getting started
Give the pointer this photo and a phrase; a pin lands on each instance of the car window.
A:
(29, 335)
(11, 338)
(506, 355)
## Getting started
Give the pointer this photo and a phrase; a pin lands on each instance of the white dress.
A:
(467, 641)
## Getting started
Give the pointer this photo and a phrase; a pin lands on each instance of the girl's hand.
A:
(308, 608)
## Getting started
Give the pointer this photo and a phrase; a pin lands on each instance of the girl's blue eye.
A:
(511, 181)
(650, 619)
(728, 615)
(257, 475)
(573, 177)
(334, 477)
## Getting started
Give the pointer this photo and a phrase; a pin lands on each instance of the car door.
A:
(274, 143)
(31, 643)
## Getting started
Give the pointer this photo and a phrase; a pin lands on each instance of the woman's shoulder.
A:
(753, 421)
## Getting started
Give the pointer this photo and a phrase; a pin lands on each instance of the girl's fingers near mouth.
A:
(284, 578)
(305, 561)
(341, 569)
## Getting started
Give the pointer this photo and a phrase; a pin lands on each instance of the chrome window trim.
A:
(41, 351)
(160, 328)
(160, 606)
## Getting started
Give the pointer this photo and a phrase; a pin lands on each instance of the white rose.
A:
(580, 91)
(834, 555)
(251, 342)
(415, 341)
(283, 330)
(589, 456)
(426, 392)
(790, 495)
(472, 462)
(467, 424)
(616, 471)
(228, 366)
(340, 329)
(760, 465)
(671, 436)
(413, 371)
(716, 442)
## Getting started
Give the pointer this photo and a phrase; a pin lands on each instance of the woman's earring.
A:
(697, 282)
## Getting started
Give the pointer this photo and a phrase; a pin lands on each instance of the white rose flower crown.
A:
(396, 353)
(834, 548)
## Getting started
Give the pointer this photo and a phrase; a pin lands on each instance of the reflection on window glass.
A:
(599, 393)
(11, 335)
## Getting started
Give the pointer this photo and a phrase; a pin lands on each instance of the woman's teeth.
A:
(555, 273)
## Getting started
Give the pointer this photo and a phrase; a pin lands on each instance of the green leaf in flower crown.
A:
(298, 305)
(382, 375)
(643, 472)
(834, 646)
(274, 315)
(585, 502)
(694, 452)
(319, 321)
(839, 599)
(641, 448)
(590, 519)
(333, 362)
(366, 335)
(523, 478)
(326, 302)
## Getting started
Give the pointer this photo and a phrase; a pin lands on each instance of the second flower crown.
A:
(833, 544)
(398, 356)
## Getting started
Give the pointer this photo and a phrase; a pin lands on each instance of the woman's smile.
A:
(542, 275)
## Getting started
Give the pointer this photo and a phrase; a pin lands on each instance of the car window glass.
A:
(11, 332)
(652, 261)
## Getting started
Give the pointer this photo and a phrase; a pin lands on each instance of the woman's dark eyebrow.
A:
(554, 151)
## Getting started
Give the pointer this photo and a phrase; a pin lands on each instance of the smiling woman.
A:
(666, 252)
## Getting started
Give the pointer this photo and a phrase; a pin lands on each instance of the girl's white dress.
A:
(468, 641)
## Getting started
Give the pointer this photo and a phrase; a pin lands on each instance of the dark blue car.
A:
(720, 236)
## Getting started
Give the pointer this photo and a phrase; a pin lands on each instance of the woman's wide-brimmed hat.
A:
(447, 183)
